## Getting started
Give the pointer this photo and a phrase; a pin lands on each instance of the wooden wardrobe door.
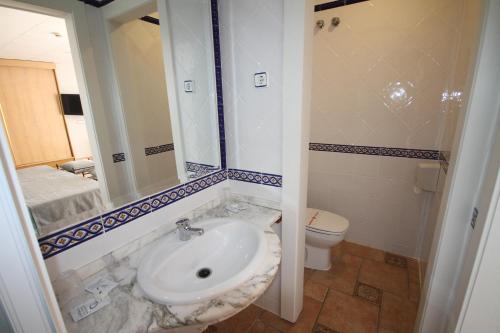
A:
(32, 112)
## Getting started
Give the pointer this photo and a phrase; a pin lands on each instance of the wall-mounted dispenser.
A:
(427, 177)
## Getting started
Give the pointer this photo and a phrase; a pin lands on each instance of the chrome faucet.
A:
(185, 230)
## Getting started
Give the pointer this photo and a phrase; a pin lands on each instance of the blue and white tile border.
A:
(379, 151)
(119, 157)
(159, 149)
(255, 177)
(65, 239)
(335, 4)
(218, 82)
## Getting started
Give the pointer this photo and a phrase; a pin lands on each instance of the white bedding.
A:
(58, 198)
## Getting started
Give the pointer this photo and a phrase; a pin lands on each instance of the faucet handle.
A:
(182, 223)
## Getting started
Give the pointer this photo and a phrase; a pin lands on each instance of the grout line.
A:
(320, 309)
(380, 309)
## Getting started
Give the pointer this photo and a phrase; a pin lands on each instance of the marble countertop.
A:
(131, 311)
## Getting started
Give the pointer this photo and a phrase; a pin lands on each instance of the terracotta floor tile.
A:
(397, 314)
(304, 323)
(386, 277)
(322, 277)
(363, 251)
(337, 250)
(260, 327)
(368, 293)
(307, 318)
(315, 290)
(240, 322)
(348, 314)
(323, 329)
(342, 276)
(275, 321)
(307, 274)
(345, 273)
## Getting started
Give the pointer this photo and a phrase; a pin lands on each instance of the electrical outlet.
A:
(189, 86)
(260, 80)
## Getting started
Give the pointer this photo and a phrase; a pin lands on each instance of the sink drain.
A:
(204, 273)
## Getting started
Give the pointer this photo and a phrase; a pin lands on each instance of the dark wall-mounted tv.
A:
(71, 104)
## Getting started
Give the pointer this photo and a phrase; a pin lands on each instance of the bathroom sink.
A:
(185, 272)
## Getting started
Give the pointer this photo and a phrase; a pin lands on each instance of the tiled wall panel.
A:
(252, 42)
(379, 81)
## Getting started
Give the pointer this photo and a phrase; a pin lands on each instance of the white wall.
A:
(78, 135)
(251, 42)
(469, 25)
(190, 25)
(378, 80)
(476, 128)
(138, 56)
(251, 35)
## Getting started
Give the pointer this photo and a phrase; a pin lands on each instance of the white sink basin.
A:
(186, 272)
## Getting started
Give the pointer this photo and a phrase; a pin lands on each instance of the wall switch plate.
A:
(260, 80)
(189, 86)
(88, 307)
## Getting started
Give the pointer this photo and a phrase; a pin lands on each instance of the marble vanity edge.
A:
(203, 313)
(227, 305)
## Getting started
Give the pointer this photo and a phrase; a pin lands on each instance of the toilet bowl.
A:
(323, 230)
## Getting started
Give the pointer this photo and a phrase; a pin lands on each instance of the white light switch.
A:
(260, 80)
(188, 86)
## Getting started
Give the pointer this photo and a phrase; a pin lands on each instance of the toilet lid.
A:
(324, 221)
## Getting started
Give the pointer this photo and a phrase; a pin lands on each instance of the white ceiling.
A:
(28, 36)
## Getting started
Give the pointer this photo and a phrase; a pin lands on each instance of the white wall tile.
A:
(378, 80)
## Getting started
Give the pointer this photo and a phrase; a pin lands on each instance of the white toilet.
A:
(323, 230)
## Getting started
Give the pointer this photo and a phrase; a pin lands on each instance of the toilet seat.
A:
(324, 222)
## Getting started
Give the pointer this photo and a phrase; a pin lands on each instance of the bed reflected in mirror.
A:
(42, 116)
(158, 126)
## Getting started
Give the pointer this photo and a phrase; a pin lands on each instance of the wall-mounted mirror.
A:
(166, 78)
(163, 68)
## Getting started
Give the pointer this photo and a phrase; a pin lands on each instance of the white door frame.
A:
(25, 288)
(442, 287)
(297, 69)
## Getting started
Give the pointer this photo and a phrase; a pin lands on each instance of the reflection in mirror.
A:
(138, 60)
(165, 103)
(42, 116)
(166, 79)
(191, 38)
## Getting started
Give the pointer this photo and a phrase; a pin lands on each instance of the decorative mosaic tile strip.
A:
(368, 292)
(151, 19)
(395, 260)
(120, 157)
(126, 214)
(96, 3)
(65, 239)
(255, 177)
(218, 82)
(182, 191)
(199, 170)
(335, 4)
(380, 151)
(159, 149)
